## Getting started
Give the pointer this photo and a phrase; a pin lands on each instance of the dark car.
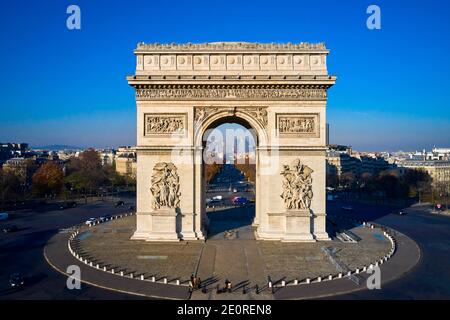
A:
(16, 280)
(402, 213)
(119, 204)
(9, 229)
(67, 205)
(240, 201)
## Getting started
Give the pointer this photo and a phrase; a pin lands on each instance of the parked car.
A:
(91, 221)
(16, 280)
(119, 204)
(401, 213)
(4, 216)
(101, 219)
(9, 228)
(67, 205)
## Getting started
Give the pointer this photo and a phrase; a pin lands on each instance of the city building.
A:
(342, 159)
(439, 170)
(125, 161)
(10, 150)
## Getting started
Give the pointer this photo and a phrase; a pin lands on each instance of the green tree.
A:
(86, 173)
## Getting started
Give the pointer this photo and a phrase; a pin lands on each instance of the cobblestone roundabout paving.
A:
(240, 259)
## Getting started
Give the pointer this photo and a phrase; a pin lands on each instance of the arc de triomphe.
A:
(278, 90)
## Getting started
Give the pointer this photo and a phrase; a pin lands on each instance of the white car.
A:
(90, 221)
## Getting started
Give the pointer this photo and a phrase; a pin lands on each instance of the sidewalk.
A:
(405, 258)
(58, 256)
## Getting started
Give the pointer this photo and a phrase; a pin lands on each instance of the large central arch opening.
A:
(229, 171)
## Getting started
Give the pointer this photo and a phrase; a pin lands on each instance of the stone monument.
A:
(278, 90)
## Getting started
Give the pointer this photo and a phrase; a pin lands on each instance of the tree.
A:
(86, 172)
(211, 170)
(10, 187)
(48, 180)
(347, 179)
(418, 182)
(390, 184)
(332, 180)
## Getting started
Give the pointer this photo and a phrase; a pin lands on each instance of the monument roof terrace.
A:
(239, 59)
(232, 46)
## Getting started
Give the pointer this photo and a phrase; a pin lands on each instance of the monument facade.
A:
(277, 90)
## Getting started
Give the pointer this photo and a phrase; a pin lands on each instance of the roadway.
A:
(430, 278)
(22, 251)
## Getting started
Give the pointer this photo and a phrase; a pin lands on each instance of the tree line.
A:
(81, 176)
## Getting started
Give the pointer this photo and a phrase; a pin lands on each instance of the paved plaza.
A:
(231, 252)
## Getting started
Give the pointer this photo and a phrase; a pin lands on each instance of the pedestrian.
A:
(191, 281)
(228, 285)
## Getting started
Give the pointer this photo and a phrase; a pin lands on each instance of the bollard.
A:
(319, 279)
(308, 280)
(340, 275)
(270, 284)
(112, 271)
(142, 277)
(131, 275)
(283, 283)
(178, 282)
(364, 269)
(357, 271)
(165, 280)
(296, 281)
(104, 268)
(121, 273)
(90, 264)
(349, 273)
(97, 266)
(153, 279)
(330, 277)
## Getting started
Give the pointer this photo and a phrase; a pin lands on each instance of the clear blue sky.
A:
(68, 87)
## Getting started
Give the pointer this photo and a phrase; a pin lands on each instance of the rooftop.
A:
(232, 46)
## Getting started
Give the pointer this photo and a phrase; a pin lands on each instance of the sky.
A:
(61, 86)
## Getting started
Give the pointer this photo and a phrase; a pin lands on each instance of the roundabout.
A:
(257, 269)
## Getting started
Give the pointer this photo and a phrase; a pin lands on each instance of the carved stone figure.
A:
(297, 186)
(165, 187)
(164, 124)
(296, 125)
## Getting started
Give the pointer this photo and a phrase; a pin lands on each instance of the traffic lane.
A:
(430, 279)
(23, 251)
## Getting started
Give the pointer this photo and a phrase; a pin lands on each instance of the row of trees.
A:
(83, 175)
(412, 183)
